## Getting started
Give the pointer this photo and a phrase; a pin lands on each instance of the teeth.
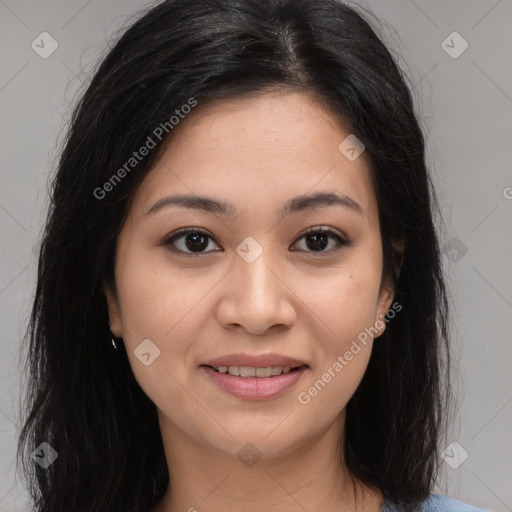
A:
(265, 372)
(251, 371)
(234, 370)
(247, 371)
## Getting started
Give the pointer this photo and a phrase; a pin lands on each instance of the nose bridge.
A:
(258, 298)
(256, 282)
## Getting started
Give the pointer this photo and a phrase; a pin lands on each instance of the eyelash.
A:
(343, 242)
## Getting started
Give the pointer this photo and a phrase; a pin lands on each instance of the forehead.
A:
(257, 151)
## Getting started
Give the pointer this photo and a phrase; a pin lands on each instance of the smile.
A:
(252, 371)
(254, 383)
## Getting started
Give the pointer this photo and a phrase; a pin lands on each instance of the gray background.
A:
(465, 105)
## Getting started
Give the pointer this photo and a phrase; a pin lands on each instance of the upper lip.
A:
(259, 361)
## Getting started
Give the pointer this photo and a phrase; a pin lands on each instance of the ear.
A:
(387, 291)
(113, 310)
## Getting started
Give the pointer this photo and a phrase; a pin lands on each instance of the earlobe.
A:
(113, 311)
(384, 303)
(387, 291)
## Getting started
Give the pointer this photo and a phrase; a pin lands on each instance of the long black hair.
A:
(82, 397)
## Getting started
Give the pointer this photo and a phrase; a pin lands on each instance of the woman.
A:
(240, 303)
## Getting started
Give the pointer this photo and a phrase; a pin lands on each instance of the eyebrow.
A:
(297, 204)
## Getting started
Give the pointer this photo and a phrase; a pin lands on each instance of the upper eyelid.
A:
(182, 231)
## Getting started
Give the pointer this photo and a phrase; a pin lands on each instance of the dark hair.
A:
(82, 396)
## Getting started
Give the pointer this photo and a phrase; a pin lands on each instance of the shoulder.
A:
(438, 503)
(434, 503)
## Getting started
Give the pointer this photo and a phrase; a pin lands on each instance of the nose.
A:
(256, 297)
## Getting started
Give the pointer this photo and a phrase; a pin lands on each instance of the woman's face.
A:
(256, 284)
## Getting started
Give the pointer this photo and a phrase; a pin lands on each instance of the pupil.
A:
(320, 241)
(199, 241)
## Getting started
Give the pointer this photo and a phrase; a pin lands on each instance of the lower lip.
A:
(254, 388)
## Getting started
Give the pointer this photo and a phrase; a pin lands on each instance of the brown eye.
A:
(190, 241)
(317, 240)
(198, 241)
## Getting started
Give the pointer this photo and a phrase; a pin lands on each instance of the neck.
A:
(312, 476)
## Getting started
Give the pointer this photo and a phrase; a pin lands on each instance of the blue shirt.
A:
(435, 503)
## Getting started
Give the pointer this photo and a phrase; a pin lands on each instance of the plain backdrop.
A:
(464, 100)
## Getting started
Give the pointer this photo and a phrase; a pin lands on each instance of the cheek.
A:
(347, 307)
(144, 297)
(164, 302)
(344, 300)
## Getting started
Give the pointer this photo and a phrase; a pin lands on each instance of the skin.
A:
(256, 153)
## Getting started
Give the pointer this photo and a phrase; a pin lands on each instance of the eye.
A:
(317, 239)
(195, 240)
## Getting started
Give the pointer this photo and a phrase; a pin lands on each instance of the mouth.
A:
(262, 372)
(254, 382)
(254, 376)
